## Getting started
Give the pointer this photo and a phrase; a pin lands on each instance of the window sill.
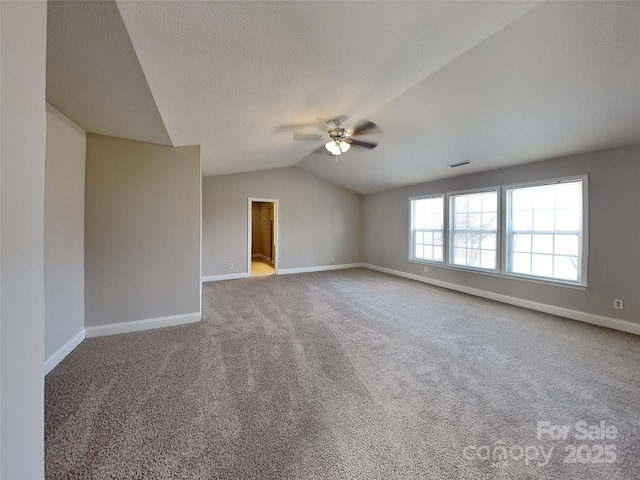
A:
(507, 276)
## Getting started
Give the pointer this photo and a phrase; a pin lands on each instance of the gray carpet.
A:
(346, 374)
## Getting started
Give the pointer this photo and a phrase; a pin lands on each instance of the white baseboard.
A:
(322, 268)
(138, 325)
(63, 351)
(601, 320)
(228, 276)
(283, 271)
(262, 256)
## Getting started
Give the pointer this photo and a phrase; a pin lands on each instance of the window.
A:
(427, 218)
(473, 229)
(545, 230)
(535, 231)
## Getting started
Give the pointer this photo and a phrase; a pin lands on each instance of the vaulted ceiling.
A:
(496, 83)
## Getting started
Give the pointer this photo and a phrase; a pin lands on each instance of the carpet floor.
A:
(348, 374)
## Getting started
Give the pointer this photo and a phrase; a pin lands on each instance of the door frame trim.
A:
(276, 229)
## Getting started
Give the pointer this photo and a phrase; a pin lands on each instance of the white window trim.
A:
(443, 196)
(584, 232)
(501, 240)
(449, 239)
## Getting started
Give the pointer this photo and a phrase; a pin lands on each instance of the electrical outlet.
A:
(231, 266)
(333, 259)
(426, 269)
(619, 304)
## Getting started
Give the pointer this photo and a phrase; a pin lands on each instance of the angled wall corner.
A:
(63, 237)
(142, 235)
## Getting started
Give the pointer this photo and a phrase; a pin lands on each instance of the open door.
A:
(262, 255)
(272, 246)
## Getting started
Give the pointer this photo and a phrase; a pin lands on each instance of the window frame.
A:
(583, 232)
(449, 211)
(411, 229)
(502, 233)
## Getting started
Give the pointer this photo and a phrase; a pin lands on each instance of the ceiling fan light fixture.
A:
(337, 147)
(333, 148)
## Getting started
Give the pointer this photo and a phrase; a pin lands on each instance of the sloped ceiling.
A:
(93, 73)
(561, 80)
(497, 83)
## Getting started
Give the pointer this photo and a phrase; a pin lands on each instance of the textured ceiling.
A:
(497, 83)
(561, 80)
(226, 74)
(93, 74)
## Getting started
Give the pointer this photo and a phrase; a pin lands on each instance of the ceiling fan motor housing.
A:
(338, 133)
(342, 139)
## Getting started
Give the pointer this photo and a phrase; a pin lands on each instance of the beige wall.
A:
(614, 262)
(256, 234)
(266, 229)
(142, 231)
(22, 156)
(63, 231)
(317, 220)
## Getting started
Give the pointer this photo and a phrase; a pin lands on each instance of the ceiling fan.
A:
(338, 138)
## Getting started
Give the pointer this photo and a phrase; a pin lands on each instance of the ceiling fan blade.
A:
(361, 143)
(365, 127)
(307, 137)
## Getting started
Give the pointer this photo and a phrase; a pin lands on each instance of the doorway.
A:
(262, 236)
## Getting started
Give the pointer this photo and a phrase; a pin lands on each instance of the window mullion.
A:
(536, 231)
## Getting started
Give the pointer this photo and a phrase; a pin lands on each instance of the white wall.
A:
(142, 232)
(614, 230)
(63, 235)
(22, 158)
(316, 220)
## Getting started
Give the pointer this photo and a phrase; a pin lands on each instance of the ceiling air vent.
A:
(454, 165)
